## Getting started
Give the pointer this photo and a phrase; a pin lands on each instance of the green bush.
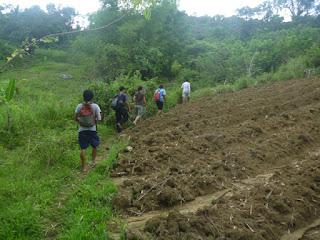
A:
(243, 82)
(176, 68)
(5, 50)
(188, 74)
(294, 68)
(265, 77)
(313, 56)
(223, 88)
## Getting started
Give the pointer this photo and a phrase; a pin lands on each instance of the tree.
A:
(111, 4)
(297, 8)
(270, 8)
(16, 25)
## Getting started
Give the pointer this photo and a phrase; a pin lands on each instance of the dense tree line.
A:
(172, 45)
(17, 25)
(206, 49)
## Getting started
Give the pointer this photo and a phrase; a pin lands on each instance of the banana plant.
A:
(6, 95)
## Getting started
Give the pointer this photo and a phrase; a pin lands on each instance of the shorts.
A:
(186, 94)
(140, 110)
(122, 115)
(86, 138)
(159, 105)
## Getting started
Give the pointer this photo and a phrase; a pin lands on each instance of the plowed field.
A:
(242, 165)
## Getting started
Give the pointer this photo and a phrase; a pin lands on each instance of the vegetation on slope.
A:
(42, 194)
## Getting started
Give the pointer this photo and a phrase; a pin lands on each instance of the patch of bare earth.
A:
(241, 165)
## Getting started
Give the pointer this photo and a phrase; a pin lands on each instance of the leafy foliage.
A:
(6, 94)
(153, 43)
(10, 90)
(17, 25)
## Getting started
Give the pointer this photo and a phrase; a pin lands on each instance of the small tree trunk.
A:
(249, 70)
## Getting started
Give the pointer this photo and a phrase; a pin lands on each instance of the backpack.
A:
(86, 116)
(139, 96)
(114, 103)
(157, 96)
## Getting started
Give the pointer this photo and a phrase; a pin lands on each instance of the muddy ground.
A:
(259, 147)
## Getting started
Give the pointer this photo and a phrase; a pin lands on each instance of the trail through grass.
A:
(42, 193)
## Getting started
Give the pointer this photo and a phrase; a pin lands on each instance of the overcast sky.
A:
(192, 7)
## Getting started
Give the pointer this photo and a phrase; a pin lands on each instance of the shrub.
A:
(313, 56)
(243, 82)
(223, 88)
(294, 68)
(176, 68)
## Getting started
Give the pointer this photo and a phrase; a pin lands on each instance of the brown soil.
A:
(260, 145)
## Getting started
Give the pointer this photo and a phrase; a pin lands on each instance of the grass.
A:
(90, 208)
(42, 193)
(294, 68)
(40, 156)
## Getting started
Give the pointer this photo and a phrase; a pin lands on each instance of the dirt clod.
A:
(261, 144)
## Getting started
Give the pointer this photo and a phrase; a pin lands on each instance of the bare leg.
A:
(83, 160)
(94, 156)
(136, 120)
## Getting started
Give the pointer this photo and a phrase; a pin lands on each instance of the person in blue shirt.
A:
(160, 96)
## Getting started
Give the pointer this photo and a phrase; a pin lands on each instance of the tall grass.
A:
(42, 193)
(40, 151)
(89, 207)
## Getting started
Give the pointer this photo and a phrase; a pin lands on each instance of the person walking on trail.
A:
(122, 108)
(186, 90)
(140, 104)
(87, 114)
(159, 97)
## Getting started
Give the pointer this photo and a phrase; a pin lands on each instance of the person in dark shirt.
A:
(123, 108)
(140, 104)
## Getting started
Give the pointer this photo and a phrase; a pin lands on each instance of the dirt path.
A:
(54, 220)
(219, 143)
(310, 232)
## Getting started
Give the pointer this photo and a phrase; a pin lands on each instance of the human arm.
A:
(145, 101)
(98, 113)
(164, 94)
(76, 117)
(76, 113)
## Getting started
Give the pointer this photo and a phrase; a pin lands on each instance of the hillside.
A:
(242, 165)
(230, 164)
(39, 157)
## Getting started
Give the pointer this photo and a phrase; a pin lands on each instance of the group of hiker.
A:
(88, 114)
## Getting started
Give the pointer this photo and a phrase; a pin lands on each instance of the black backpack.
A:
(114, 103)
